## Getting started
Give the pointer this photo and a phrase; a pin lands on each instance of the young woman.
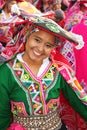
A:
(30, 82)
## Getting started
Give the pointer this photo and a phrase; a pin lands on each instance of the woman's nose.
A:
(41, 47)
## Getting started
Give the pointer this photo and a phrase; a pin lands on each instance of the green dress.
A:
(23, 94)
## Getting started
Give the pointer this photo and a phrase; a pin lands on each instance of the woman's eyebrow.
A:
(41, 39)
(38, 37)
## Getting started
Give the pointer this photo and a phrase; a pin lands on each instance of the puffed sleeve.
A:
(73, 99)
(5, 113)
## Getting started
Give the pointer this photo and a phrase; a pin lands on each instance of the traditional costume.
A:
(30, 102)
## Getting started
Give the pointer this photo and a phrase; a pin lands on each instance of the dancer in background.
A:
(9, 7)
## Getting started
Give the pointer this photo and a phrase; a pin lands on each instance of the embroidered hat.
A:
(52, 27)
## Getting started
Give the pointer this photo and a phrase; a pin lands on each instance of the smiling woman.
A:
(32, 81)
(38, 47)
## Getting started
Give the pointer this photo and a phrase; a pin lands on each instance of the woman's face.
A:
(39, 46)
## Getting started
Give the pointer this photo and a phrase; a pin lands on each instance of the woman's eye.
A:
(37, 40)
(49, 46)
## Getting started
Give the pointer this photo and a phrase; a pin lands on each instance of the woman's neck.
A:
(33, 66)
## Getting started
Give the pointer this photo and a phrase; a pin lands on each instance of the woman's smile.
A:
(37, 53)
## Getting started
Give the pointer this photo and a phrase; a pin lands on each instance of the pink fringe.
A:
(15, 126)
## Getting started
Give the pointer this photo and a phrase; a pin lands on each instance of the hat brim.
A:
(52, 27)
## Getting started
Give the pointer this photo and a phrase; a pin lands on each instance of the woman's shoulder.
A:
(3, 65)
(4, 68)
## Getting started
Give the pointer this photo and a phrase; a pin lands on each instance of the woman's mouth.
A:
(36, 53)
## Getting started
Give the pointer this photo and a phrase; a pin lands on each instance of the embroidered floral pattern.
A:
(52, 105)
(18, 108)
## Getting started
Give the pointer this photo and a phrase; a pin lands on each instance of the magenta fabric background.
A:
(81, 55)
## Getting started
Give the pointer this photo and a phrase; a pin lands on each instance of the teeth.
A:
(36, 53)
